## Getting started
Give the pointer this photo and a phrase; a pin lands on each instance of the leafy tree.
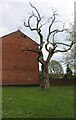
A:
(70, 56)
(55, 67)
(68, 70)
(50, 43)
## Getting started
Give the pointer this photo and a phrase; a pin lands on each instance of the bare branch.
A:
(38, 26)
(55, 31)
(36, 11)
(70, 46)
(35, 15)
(32, 50)
(40, 57)
(41, 45)
(52, 22)
(28, 25)
(38, 17)
(41, 25)
(38, 29)
(50, 50)
(50, 55)
(46, 46)
(62, 43)
(53, 41)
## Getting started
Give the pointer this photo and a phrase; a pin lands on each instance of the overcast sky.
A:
(14, 12)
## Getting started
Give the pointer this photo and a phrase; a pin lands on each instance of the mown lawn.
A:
(0, 102)
(33, 102)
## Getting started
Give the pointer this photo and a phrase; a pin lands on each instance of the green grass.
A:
(0, 102)
(33, 102)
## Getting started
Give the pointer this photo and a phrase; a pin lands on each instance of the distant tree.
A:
(55, 67)
(70, 56)
(68, 70)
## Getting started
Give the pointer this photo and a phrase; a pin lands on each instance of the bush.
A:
(69, 76)
(56, 76)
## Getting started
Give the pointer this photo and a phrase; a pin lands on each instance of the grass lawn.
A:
(33, 102)
(0, 102)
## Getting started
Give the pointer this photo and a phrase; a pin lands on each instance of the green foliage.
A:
(69, 57)
(56, 76)
(55, 67)
(68, 70)
(69, 77)
(34, 102)
(69, 73)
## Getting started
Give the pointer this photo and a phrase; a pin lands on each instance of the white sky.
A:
(13, 14)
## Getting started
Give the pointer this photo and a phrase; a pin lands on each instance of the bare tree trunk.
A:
(45, 76)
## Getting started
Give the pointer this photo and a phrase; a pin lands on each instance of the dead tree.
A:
(54, 45)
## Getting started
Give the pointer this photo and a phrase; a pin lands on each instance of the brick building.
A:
(19, 68)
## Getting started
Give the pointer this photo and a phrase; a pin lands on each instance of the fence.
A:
(60, 82)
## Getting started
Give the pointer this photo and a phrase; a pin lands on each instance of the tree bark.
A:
(45, 76)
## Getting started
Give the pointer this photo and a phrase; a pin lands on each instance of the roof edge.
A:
(21, 33)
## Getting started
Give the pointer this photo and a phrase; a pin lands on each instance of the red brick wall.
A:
(19, 68)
